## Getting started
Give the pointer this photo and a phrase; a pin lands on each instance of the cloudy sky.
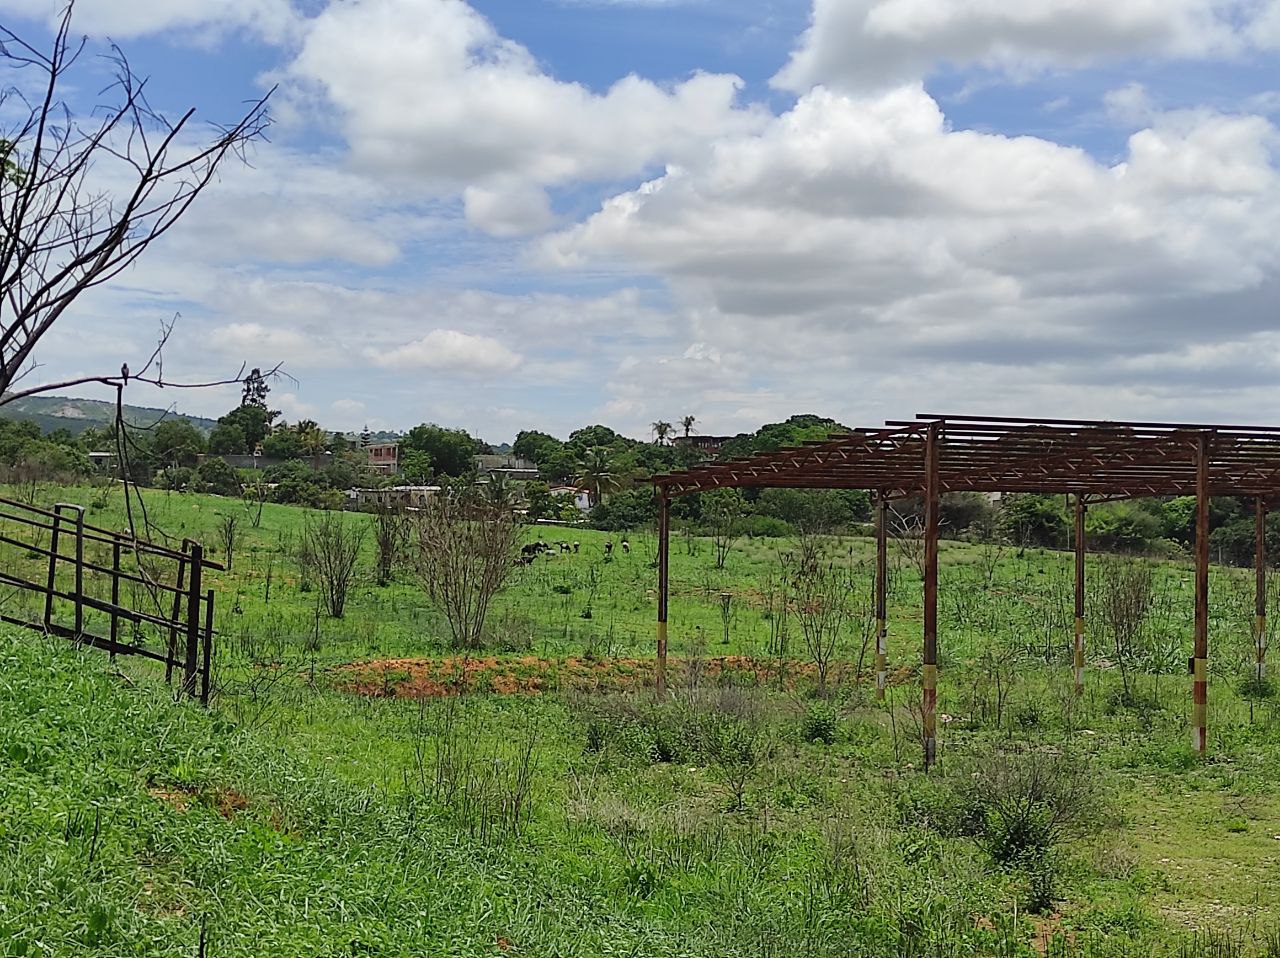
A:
(504, 214)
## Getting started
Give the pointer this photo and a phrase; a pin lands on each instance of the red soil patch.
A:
(531, 675)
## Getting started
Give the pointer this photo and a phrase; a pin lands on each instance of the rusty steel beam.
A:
(882, 576)
(1260, 590)
(1077, 658)
(1108, 423)
(1200, 657)
(929, 697)
(664, 588)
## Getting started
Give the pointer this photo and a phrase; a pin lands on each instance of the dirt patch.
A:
(225, 801)
(1048, 929)
(228, 801)
(176, 798)
(532, 675)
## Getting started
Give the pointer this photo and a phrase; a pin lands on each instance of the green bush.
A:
(821, 724)
(1030, 801)
(1034, 520)
(1122, 526)
(219, 477)
(765, 527)
(625, 510)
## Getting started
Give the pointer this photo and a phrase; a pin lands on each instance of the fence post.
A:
(79, 597)
(115, 596)
(207, 674)
(194, 595)
(177, 608)
(53, 568)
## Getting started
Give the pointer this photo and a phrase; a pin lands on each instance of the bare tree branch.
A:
(63, 228)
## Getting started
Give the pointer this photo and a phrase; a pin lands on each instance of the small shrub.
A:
(938, 806)
(1030, 801)
(821, 724)
(1256, 688)
(1027, 715)
(1042, 883)
(597, 736)
(487, 790)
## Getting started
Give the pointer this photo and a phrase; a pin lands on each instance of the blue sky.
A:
(512, 214)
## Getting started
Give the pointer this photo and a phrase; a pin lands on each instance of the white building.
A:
(581, 497)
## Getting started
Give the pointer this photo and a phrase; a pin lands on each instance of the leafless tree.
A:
(824, 595)
(391, 534)
(466, 551)
(82, 197)
(907, 532)
(329, 552)
(227, 536)
(254, 497)
(723, 511)
(1123, 596)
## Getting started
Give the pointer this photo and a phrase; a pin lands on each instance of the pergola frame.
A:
(1087, 459)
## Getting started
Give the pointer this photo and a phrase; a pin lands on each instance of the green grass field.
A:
(744, 817)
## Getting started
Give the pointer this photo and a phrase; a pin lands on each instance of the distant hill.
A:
(77, 415)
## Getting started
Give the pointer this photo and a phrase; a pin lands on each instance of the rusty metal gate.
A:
(108, 590)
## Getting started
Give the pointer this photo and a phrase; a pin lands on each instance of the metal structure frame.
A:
(1090, 460)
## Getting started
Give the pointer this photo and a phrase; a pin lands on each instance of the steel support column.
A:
(882, 576)
(664, 560)
(929, 709)
(1200, 657)
(1077, 657)
(1260, 590)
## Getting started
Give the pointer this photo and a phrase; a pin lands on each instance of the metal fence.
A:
(109, 590)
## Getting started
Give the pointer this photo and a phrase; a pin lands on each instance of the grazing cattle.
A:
(575, 548)
(533, 550)
(626, 547)
(608, 548)
(564, 548)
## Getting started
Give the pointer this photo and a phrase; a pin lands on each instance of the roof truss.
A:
(1005, 454)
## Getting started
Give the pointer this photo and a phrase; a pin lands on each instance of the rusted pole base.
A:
(882, 658)
(660, 681)
(929, 717)
(1078, 658)
(1199, 705)
(1260, 648)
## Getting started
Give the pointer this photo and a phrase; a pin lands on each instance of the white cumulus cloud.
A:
(861, 240)
(274, 20)
(874, 44)
(428, 92)
(450, 350)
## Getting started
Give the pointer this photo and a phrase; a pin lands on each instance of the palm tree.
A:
(661, 430)
(498, 491)
(596, 474)
(687, 424)
(314, 440)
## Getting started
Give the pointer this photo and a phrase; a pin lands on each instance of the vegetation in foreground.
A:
(749, 815)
